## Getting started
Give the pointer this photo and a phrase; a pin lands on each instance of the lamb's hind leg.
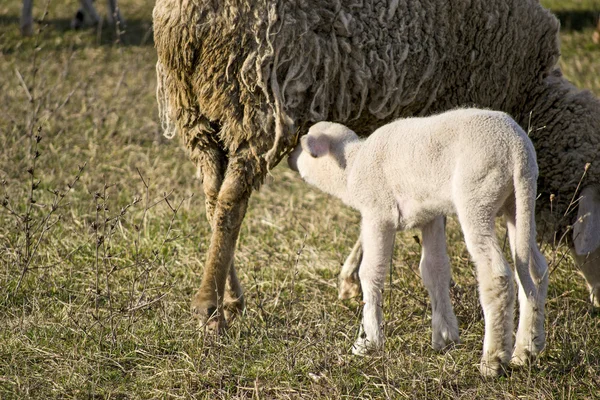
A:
(496, 285)
(228, 214)
(531, 337)
(435, 272)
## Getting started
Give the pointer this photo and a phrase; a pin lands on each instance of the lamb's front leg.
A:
(378, 244)
(436, 275)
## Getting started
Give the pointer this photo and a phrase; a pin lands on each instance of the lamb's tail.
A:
(524, 178)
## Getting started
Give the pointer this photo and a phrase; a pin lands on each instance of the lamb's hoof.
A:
(212, 320)
(492, 366)
(363, 346)
(525, 354)
(233, 307)
(349, 288)
(521, 357)
(360, 347)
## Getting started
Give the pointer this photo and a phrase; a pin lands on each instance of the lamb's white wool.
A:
(410, 174)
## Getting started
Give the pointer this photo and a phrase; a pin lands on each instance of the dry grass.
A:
(102, 239)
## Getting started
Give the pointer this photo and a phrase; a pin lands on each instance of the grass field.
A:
(103, 236)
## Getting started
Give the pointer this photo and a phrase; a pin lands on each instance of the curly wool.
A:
(248, 74)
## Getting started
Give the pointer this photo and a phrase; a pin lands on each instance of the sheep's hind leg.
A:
(228, 215)
(435, 272)
(496, 285)
(349, 283)
(212, 162)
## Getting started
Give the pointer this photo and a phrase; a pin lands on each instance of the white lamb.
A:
(410, 174)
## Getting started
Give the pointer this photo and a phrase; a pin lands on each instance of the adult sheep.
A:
(237, 79)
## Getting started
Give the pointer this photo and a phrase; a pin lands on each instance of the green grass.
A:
(94, 292)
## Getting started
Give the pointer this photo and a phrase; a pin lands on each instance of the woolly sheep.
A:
(412, 172)
(86, 14)
(239, 79)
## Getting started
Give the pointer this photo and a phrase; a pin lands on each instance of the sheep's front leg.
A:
(378, 241)
(586, 241)
(436, 275)
(228, 215)
(349, 284)
(589, 265)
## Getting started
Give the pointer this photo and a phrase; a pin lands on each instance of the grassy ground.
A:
(98, 262)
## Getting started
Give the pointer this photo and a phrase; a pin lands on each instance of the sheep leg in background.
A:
(586, 241)
(228, 215)
(349, 284)
(589, 266)
(436, 275)
(378, 243)
(86, 15)
(27, 18)
(531, 337)
(212, 164)
(114, 14)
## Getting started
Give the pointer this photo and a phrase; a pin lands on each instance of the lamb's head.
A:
(323, 156)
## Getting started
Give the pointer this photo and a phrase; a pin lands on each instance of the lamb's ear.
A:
(586, 230)
(316, 145)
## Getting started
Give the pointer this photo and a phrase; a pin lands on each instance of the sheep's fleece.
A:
(247, 75)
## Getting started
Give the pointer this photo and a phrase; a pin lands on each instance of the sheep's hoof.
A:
(595, 296)
(233, 307)
(349, 288)
(492, 366)
(212, 319)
